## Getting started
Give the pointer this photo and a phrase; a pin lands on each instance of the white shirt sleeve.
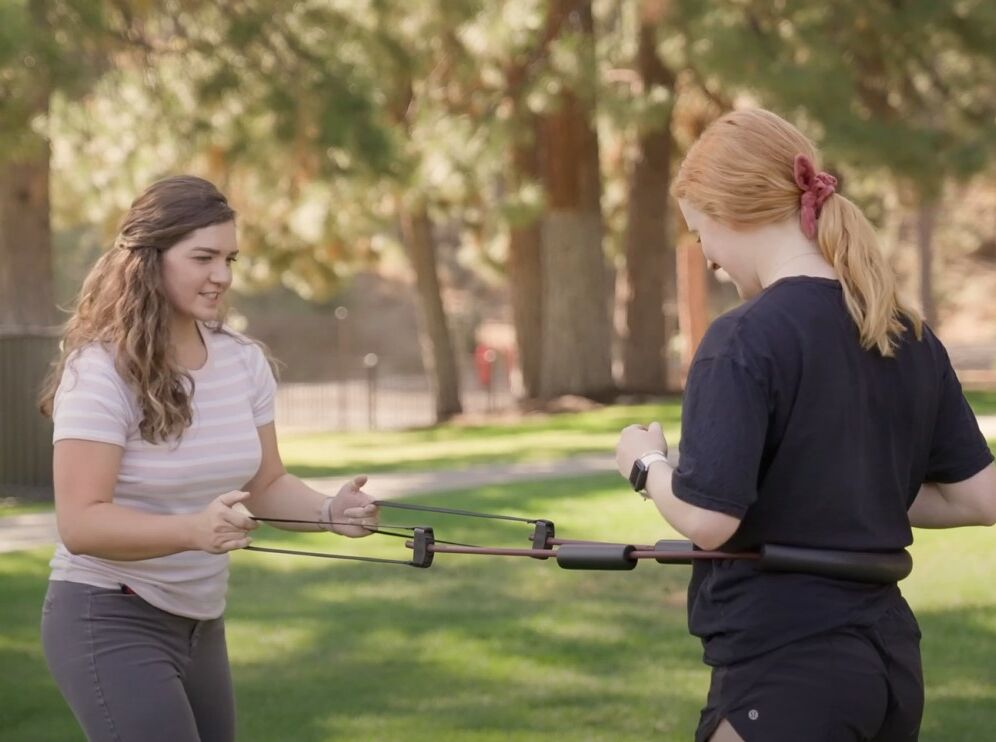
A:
(264, 386)
(92, 402)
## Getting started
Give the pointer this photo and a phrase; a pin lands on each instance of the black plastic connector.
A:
(422, 539)
(543, 531)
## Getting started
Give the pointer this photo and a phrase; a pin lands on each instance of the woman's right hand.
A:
(220, 528)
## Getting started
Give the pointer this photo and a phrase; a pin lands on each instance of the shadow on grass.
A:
(347, 465)
(475, 648)
(459, 446)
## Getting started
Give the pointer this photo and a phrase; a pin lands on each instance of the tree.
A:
(902, 85)
(649, 256)
(300, 113)
(27, 67)
(576, 329)
(524, 266)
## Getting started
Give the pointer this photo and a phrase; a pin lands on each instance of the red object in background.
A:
(484, 360)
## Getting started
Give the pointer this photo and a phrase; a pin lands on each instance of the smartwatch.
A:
(641, 467)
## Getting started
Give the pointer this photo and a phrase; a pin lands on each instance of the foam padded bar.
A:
(596, 556)
(674, 546)
(860, 566)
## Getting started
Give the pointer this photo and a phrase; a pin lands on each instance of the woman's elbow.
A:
(989, 511)
(73, 543)
(710, 530)
(976, 495)
(73, 535)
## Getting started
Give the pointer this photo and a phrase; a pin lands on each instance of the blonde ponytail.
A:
(849, 243)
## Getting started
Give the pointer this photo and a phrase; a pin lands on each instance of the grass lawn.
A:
(533, 438)
(539, 438)
(483, 648)
(14, 506)
(542, 438)
(984, 403)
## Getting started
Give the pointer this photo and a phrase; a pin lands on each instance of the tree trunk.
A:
(26, 293)
(26, 285)
(926, 222)
(693, 295)
(525, 275)
(576, 325)
(649, 257)
(438, 356)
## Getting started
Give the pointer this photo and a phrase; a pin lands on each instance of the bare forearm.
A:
(288, 497)
(931, 509)
(706, 528)
(110, 531)
(678, 513)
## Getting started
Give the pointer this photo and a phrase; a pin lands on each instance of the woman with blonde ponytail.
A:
(164, 428)
(820, 414)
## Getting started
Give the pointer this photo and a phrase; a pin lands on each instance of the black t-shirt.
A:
(815, 442)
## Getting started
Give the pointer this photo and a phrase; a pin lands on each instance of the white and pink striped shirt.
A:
(219, 452)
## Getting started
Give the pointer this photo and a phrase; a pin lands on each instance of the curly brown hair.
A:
(123, 306)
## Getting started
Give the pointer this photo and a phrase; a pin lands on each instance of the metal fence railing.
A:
(377, 403)
(25, 435)
(370, 401)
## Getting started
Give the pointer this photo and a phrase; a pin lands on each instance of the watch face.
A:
(638, 476)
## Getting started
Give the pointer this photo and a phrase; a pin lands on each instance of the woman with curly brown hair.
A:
(163, 426)
(821, 413)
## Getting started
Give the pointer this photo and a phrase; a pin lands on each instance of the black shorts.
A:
(856, 684)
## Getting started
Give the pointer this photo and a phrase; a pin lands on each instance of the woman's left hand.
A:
(353, 510)
(634, 442)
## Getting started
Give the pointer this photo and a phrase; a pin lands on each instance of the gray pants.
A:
(132, 672)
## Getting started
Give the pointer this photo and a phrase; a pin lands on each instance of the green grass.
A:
(543, 438)
(482, 648)
(984, 403)
(16, 506)
(540, 438)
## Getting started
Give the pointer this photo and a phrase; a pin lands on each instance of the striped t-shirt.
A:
(219, 452)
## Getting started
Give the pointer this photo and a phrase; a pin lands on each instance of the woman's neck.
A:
(188, 345)
(789, 253)
(803, 264)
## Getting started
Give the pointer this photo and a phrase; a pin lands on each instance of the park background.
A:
(456, 236)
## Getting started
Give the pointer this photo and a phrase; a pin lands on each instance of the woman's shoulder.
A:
(751, 334)
(231, 341)
(93, 358)
(923, 344)
(734, 327)
(91, 370)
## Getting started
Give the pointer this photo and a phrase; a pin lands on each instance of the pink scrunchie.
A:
(816, 187)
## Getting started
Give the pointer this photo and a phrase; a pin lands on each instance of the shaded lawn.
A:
(539, 438)
(480, 648)
(545, 438)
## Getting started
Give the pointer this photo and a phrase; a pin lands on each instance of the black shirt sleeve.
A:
(958, 450)
(723, 428)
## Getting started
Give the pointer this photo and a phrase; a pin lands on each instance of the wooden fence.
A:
(25, 435)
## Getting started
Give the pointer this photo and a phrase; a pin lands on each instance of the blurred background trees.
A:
(503, 164)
